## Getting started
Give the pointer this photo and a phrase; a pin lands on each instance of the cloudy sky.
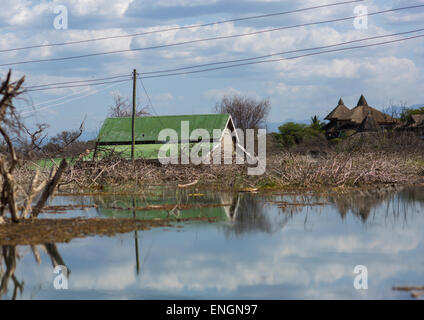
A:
(296, 88)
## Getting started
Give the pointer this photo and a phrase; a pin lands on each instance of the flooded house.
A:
(154, 132)
(362, 118)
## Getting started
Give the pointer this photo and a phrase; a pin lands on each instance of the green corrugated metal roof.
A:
(118, 130)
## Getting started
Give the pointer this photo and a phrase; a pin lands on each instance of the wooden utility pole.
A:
(133, 114)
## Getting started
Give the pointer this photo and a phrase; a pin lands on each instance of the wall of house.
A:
(226, 149)
(227, 146)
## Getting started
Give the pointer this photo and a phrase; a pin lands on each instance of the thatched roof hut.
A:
(362, 101)
(330, 127)
(362, 110)
(362, 118)
(369, 124)
(415, 124)
(417, 121)
(338, 112)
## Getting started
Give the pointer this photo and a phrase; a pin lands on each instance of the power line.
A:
(147, 95)
(207, 39)
(80, 85)
(272, 60)
(246, 59)
(150, 101)
(225, 62)
(281, 53)
(183, 27)
(67, 101)
(229, 61)
(79, 81)
(54, 100)
(281, 59)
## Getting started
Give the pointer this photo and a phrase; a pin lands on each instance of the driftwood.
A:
(49, 188)
(188, 184)
(416, 291)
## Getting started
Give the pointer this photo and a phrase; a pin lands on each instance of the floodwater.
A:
(258, 247)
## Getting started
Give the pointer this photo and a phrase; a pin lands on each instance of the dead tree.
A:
(247, 113)
(11, 124)
(122, 108)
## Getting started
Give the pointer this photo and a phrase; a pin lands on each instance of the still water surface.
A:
(260, 247)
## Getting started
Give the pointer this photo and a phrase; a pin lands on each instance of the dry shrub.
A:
(388, 142)
(120, 173)
(353, 169)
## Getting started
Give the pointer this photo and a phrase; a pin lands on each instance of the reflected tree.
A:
(9, 256)
(394, 203)
(8, 262)
(250, 215)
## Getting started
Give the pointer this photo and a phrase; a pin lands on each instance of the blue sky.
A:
(297, 89)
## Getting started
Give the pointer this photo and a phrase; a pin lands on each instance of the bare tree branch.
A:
(122, 108)
(247, 113)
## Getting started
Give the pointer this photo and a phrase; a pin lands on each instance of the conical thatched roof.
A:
(359, 113)
(341, 111)
(369, 124)
(362, 101)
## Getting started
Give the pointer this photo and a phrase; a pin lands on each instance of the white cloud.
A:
(111, 9)
(387, 72)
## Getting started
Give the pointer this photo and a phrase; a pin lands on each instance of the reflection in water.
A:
(248, 214)
(394, 204)
(397, 204)
(137, 257)
(9, 256)
(412, 195)
(362, 203)
(164, 204)
(306, 248)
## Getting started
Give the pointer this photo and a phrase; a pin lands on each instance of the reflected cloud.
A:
(260, 249)
(8, 263)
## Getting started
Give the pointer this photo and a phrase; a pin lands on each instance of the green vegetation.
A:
(48, 163)
(407, 113)
(296, 133)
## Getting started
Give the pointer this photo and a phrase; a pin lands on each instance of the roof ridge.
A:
(172, 115)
